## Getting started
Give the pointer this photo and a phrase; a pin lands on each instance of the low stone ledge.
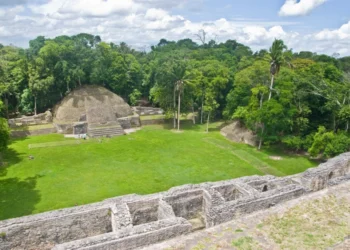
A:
(134, 237)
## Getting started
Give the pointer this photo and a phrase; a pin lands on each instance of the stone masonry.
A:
(133, 221)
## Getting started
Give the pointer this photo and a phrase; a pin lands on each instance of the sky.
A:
(321, 26)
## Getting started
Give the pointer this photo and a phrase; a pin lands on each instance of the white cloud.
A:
(299, 7)
(192, 5)
(155, 14)
(339, 34)
(138, 24)
(10, 13)
(98, 8)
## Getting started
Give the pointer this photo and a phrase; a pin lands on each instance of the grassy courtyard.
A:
(69, 172)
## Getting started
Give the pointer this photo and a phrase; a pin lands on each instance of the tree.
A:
(329, 144)
(135, 96)
(213, 78)
(13, 76)
(277, 59)
(40, 80)
(4, 135)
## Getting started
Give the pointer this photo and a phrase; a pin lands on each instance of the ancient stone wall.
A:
(130, 121)
(24, 133)
(38, 119)
(148, 111)
(133, 221)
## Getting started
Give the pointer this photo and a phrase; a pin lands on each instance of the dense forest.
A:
(300, 100)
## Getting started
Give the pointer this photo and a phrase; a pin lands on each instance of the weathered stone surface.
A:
(133, 221)
(38, 119)
(330, 172)
(80, 128)
(99, 108)
(148, 111)
(43, 131)
(238, 133)
(96, 103)
(57, 230)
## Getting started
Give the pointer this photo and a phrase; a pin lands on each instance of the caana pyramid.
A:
(94, 110)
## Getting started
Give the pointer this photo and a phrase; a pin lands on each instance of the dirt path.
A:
(316, 221)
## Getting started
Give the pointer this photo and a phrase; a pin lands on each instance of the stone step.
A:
(106, 134)
(106, 131)
(107, 127)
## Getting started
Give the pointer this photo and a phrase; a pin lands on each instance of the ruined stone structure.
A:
(39, 119)
(95, 111)
(147, 111)
(237, 132)
(133, 221)
(89, 109)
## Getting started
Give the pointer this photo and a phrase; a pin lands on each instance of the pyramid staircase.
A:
(110, 129)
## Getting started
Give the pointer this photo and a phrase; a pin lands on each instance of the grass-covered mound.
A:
(68, 172)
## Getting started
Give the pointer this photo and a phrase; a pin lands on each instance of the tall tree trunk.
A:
(271, 86)
(174, 107)
(178, 111)
(79, 80)
(1, 163)
(202, 109)
(7, 106)
(208, 121)
(261, 140)
(261, 100)
(263, 127)
(193, 116)
(347, 126)
(34, 105)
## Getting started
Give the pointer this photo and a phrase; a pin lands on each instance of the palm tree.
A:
(277, 59)
(185, 77)
(180, 88)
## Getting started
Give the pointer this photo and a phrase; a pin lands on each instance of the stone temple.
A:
(95, 111)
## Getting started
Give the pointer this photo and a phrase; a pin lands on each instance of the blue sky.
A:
(322, 26)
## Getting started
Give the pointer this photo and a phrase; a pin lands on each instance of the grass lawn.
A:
(64, 173)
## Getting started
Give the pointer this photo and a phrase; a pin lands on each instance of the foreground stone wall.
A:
(133, 221)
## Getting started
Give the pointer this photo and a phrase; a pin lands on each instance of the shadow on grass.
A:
(18, 197)
(10, 157)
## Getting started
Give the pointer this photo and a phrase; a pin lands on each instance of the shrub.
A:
(329, 144)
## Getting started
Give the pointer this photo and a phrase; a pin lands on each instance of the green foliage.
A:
(277, 94)
(135, 96)
(329, 144)
(277, 55)
(4, 134)
(26, 104)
